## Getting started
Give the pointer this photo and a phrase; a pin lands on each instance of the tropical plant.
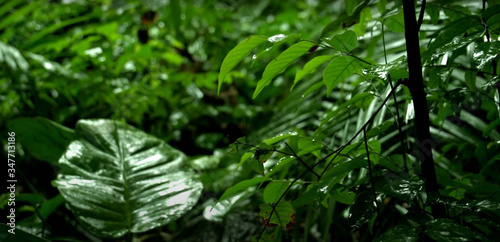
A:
(345, 120)
(376, 162)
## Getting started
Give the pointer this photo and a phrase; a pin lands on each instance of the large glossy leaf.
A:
(237, 54)
(44, 139)
(399, 233)
(448, 230)
(117, 179)
(338, 70)
(450, 31)
(280, 63)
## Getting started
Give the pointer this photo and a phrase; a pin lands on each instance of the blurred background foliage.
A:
(155, 64)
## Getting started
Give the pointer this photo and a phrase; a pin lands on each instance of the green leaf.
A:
(399, 233)
(344, 42)
(379, 129)
(237, 54)
(450, 31)
(49, 206)
(433, 11)
(457, 43)
(44, 139)
(240, 186)
(343, 168)
(485, 53)
(449, 230)
(338, 70)
(344, 196)
(350, 6)
(17, 235)
(396, 23)
(279, 138)
(280, 63)
(256, 165)
(117, 179)
(362, 210)
(274, 190)
(311, 66)
(282, 215)
(470, 79)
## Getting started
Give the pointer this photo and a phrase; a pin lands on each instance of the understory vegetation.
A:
(235, 120)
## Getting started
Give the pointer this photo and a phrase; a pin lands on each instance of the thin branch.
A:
(336, 152)
(370, 172)
(357, 133)
(301, 161)
(400, 131)
(421, 15)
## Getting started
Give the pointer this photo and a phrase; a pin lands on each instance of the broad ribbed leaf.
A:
(450, 31)
(338, 70)
(44, 139)
(280, 63)
(117, 179)
(457, 43)
(311, 66)
(237, 54)
(344, 42)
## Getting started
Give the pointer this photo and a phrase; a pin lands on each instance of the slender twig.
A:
(301, 161)
(357, 133)
(399, 123)
(370, 172)
(396, 104)
(421, 15)
(263, 150)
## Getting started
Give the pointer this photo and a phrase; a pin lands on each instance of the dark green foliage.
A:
(251, 120)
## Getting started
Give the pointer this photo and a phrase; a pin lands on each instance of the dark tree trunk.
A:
(416, 87)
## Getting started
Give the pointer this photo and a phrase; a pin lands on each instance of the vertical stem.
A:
(422, 124)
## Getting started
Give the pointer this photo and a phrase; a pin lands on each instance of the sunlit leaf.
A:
(118, 180)
(237, 54)
(280, 63)
(345, 42)
(338, 70)
(311, 66)
(450, 31)
(274, 190)
(240, 186)
(396, 23)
